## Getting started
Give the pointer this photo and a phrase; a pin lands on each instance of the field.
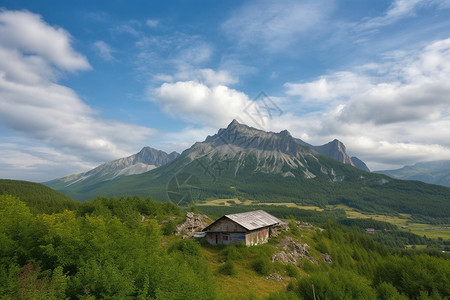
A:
(403, 221)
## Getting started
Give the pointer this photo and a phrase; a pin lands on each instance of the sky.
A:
(86, 82)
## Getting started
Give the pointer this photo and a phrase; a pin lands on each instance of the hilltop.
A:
(40, 198)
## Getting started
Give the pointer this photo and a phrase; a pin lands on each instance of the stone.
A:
(194, 223)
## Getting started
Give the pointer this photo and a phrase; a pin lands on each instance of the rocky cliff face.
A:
(270, 152)
(336, 150)
(359, 164)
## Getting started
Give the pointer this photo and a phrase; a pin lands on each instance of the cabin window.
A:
(225, 237)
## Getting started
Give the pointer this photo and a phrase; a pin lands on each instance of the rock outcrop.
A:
(193, 223)
(292, 252)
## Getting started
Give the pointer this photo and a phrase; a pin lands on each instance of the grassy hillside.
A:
(38, 197)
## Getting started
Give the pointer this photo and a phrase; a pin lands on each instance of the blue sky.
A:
(84, 82)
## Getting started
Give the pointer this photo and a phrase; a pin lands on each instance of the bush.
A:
(228, 268)
(293, 228)
(262, 265)
(292, 271)
(169, 228)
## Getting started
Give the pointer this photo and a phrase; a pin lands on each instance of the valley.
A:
(402, 221)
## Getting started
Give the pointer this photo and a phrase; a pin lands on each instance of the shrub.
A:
(228, 268)
(293, 228)
(262, 265)
(292, 271)
(169, 228)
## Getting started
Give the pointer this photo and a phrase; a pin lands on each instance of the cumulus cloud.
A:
(206, 100)
(420, 93)
(329, 88)
(32, 55)
(199, 103)
(395, 112)
(274, 25)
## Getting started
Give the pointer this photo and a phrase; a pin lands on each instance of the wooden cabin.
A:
(251, 228)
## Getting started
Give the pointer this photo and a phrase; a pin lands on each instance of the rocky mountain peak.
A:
(245, 137)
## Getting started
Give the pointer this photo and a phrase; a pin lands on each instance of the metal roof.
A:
(254, 219)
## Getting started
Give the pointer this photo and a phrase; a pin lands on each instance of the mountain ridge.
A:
(145, 160)
(247, 163)
(432, 172)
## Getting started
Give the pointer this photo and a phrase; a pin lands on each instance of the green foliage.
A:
(292, 271)
(335, 284)
(37, 284)
(262, 265)
(103, 250)
(293, 228)
(228, 268)
(386, 291)
(169, 228)
(424, 274)
(368, 223)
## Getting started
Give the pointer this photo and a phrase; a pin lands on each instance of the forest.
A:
(124, 248)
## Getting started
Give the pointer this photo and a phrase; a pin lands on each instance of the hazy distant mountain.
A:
(145, 160)
(435, 172)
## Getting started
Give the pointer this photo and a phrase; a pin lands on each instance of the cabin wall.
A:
(226, 238)
(226, 231)
(226, 225)
(257, 237)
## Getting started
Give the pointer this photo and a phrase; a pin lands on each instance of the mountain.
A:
(336, 150)
(40, 198)
(247, 163)
(359, 164)
(434, 172)
(145, 160)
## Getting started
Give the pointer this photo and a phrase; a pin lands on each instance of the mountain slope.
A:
(145, 160)
(434, 172)
(243, 162)
(40, 198)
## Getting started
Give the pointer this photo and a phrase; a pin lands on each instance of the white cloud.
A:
(34, 161)
(392, 113)
(32, 103)
(274, 25)
(329, 88)
(104, 50)
(27, 32)
(208, 77)
(177, 53)
(152, 23)
(400, 9)
(199, 103)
